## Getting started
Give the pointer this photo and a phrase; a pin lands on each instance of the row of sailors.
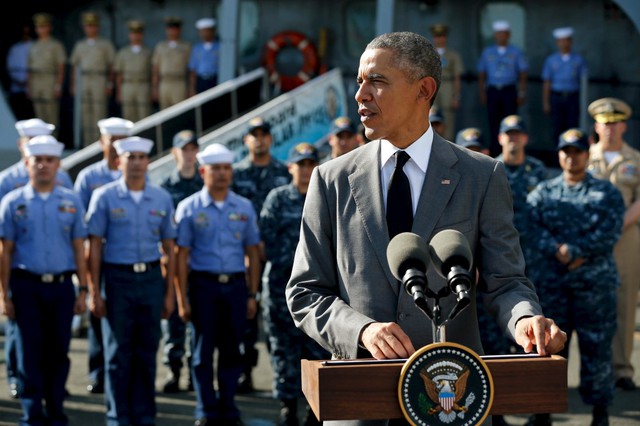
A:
(130, 227)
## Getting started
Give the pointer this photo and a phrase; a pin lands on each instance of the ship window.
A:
(248, 28)
(360, 25)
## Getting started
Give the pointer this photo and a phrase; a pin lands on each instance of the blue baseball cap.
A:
(184, 137)
(512, 122)
(303, 151)
(258, 123)
(342, 124)
(575, 138)
(471, 136)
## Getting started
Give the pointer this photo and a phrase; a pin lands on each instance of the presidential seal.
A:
(445, 384)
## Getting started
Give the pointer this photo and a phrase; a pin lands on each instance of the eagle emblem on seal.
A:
(445, 383)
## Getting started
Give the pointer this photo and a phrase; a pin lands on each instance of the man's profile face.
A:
(387, 100)
(217, 177)
(42, 168)
(573, 160)
(258, 142)
(343, 142)
(134, 164)
(610, 131)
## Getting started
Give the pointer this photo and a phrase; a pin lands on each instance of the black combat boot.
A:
(288, 412)
(310, 418)
(600, 416)
(172, 385)
(539, 420)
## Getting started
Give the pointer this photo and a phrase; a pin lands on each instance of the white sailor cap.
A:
(115, 126)
(133, 144)
(203, 23)
(43, 145)
(215, 154)
(34, 127)
(501, 26)
(564, 32)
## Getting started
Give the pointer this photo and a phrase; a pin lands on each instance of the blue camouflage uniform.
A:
(588, 217)
(43, 294)
(11, 178)
(523, 178)
(564, 75)
(217, 238)
(254, 183)
(280, 220)
(134, 293)
(174, 329)
(88, 180)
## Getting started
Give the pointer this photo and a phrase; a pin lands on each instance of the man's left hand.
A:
(541, 332)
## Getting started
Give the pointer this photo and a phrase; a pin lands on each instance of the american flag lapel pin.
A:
(445, 182)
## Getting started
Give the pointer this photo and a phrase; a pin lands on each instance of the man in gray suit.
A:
(342, 292)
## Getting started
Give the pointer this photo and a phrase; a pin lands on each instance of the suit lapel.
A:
(439, 185)
(365, 184)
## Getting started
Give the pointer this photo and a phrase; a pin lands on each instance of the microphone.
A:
(452, 258)
(408, 258)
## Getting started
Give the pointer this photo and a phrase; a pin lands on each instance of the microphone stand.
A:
(454, 279)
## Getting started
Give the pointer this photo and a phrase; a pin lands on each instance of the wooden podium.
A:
(368, 389)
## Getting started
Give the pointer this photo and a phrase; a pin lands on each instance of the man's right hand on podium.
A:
(386, 341)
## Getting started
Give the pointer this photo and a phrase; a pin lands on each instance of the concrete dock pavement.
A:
(259, 409)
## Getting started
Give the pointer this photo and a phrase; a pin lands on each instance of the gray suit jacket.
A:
(341, 279)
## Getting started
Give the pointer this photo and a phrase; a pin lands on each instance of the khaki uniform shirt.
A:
(623, 172)
(134, 67)
(93, 58)
(172, 62)
(45, 56)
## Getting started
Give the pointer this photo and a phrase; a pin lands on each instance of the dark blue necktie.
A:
(399, 205)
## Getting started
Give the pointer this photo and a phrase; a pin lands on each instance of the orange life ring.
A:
(309, 64)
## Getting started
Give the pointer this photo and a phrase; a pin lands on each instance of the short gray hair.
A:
(414, 54)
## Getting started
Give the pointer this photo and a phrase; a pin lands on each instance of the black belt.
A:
(138, 268)
(221, 278)
(561, 93)
(502, 86)
(208, 76)
(43, 278)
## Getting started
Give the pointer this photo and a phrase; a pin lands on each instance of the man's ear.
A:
(428, 89)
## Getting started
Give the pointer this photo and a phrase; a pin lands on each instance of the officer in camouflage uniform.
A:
(183, 181)
(577, 220)
(92, 58)
(253, 178)
(132, 70)
(524, 172)
(280, 229)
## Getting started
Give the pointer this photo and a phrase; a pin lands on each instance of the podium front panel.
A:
(368, 390)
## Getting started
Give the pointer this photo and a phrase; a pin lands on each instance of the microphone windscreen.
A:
(407, 250)
(450, 248)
